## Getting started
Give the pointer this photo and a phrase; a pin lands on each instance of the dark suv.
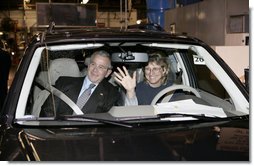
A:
(210, 122)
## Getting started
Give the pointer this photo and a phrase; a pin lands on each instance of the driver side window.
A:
(204, 78)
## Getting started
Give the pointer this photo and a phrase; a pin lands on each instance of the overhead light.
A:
(139, 21)
(84, 1)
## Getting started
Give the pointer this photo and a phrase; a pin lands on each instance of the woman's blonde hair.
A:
(158, 59)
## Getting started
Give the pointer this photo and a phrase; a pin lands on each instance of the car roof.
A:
(149, 26)
(112, 34)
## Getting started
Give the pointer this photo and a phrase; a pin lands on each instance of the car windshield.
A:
(206, 88)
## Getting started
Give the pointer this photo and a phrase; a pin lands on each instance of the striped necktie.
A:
(84, 96)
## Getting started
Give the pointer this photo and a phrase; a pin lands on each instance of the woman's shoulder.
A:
(141, 84)
(169, 83)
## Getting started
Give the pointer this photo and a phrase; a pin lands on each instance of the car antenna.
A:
(51, 27)
(50, 30)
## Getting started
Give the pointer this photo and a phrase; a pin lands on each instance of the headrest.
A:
(63, 67)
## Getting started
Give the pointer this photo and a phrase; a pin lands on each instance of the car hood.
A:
(156, 143)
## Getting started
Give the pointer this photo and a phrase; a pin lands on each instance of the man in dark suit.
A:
(5, 65)
(103, 95)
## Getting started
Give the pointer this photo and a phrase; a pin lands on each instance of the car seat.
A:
(63, 67)
(57, 67)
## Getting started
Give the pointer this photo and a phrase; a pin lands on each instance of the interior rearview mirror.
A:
(129, 57)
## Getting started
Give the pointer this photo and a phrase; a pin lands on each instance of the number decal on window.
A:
(198, 60)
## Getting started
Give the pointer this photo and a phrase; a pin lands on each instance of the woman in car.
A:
(155, 80)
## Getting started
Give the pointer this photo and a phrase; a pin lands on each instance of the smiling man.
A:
(92, 93)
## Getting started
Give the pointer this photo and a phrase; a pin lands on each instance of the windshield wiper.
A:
(181, 116)
(76, 118)
(87, 118)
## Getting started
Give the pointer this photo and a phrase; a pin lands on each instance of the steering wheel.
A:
(173, 88)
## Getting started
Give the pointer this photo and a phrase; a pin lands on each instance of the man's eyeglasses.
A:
(101, 68)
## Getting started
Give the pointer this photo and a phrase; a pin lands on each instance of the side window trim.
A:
(26, 88)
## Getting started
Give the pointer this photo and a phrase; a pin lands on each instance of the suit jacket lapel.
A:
(96, 99)
(73, 90)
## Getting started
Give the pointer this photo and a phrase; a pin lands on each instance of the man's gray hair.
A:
(103, 54)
